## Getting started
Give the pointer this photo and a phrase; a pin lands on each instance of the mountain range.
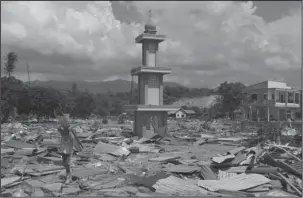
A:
(94, 87)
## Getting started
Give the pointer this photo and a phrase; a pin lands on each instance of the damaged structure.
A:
(270, 100)
(150, 109)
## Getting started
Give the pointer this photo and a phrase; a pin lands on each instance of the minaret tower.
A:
(150, 84)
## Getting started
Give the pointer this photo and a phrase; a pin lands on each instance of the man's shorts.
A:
(65, 159)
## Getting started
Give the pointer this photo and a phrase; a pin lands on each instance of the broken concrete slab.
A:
(7, 151)
(111, 149)
(70, 190)
(87, 172)
(237, 150)
(19, 144)
(237, 169)
(181, 168)
(53, 187)
(5, 182)
(163, 158)
(222, 159)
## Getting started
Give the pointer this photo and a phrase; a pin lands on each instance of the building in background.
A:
(270, 100)
(182, 113)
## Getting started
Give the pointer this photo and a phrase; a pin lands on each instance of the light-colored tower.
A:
(150, 84)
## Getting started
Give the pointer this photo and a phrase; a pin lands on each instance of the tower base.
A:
(144, 115)
(143, 122)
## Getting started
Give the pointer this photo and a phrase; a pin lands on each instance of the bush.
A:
(105, 121)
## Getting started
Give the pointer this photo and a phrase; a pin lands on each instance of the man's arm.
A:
(60, 129)
(77, 144)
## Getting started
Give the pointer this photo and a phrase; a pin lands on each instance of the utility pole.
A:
(29, 83)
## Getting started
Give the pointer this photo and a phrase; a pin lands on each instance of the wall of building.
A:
(279, 85)
(180, 114)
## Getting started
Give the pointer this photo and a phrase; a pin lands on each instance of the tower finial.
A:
(150, 26)
(150, 14)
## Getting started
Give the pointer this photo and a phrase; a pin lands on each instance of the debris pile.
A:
(189, 162)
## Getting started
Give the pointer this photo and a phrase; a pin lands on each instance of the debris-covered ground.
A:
(195, 159)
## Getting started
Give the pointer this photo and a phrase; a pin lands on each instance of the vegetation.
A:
(41, 101)
(10, 63)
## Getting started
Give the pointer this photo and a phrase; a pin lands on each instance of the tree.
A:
(232, 97)
(84, 105)
(12, 91)
(74, 89)
(10, 64)
(44, 101)
(214, 110)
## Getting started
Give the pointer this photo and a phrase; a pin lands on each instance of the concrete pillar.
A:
(268, 115)
(161, 89)
(250, 113)
(278, 114)
(286, 98)
(258, 119)
(243, 113)
(146, 92)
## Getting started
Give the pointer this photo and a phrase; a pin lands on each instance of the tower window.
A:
(254, 96)
(151, 47)
(297, 96)
(290, 97)
(153, 81)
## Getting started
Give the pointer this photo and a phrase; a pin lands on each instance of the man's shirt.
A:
(67, 140)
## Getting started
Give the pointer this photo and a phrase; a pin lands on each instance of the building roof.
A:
(189, 111)
(185, 111)
(268, 85)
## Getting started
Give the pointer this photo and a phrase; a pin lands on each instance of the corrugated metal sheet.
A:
(207, 173)
(297, 166)
(235, 183)
(178, 187)
(224, 174)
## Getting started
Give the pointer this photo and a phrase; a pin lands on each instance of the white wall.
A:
(153, 96)
(280, 85)
(180, 114)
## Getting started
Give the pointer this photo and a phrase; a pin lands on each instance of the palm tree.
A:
(10, 65)
(74, 89)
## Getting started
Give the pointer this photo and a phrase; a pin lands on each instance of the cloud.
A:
(208, 42)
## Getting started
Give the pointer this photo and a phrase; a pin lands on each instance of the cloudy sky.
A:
(208, 42)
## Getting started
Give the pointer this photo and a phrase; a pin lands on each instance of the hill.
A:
(202, 102)
(94, 87)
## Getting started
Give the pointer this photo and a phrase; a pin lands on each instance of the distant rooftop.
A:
(270, 84)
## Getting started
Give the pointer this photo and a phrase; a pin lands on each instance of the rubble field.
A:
(194, 159)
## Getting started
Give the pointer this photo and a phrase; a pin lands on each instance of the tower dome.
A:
(150, 26)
